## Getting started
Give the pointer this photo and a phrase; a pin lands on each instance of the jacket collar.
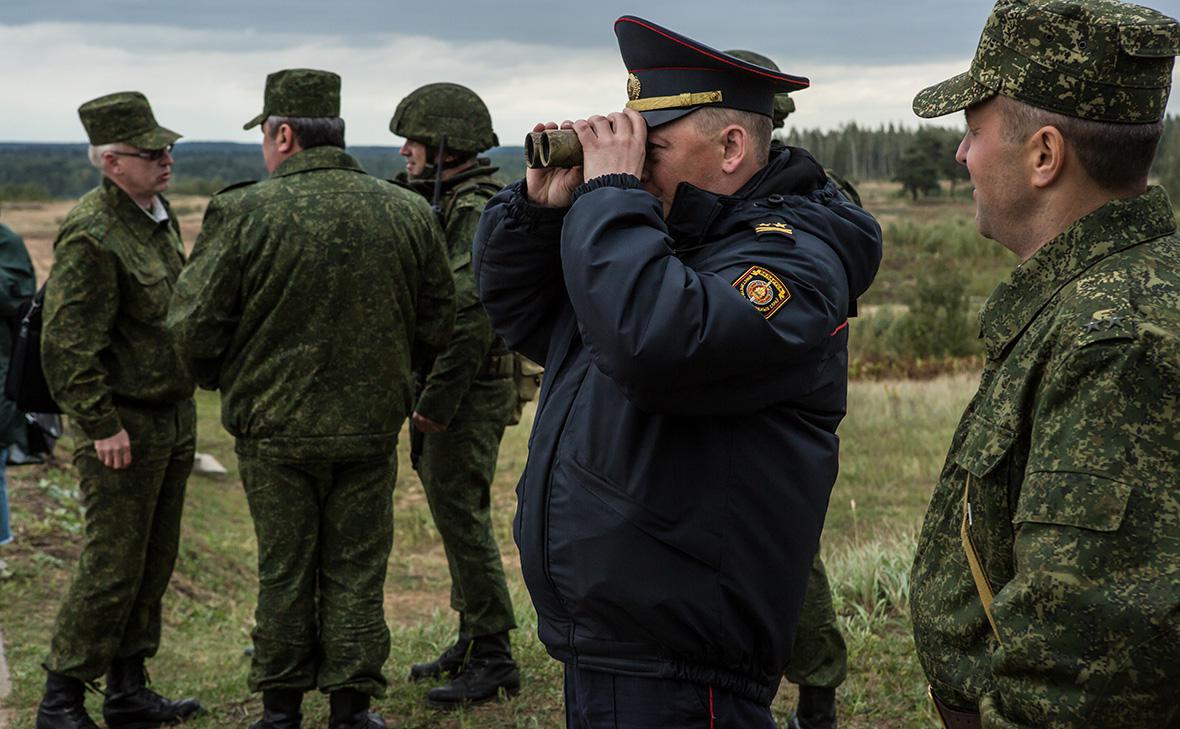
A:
(425, 185)
(129, 212)
(788, 171)
(317, 158)
(1114, 227)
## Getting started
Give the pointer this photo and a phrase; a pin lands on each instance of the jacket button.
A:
(775, 200)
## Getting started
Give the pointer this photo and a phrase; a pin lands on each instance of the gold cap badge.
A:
(633, 87)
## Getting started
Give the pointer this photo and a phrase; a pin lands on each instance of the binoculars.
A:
(552, 148)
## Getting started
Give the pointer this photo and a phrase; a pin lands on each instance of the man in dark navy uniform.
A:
(688, 291)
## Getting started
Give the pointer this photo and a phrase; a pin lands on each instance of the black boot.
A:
(350, 710)
(64, 704)
(816, 709)
(130, 704)
(280, 709)
(489, 671)
(449, 665)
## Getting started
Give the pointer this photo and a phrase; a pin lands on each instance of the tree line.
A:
(62, 171)
(920, 158)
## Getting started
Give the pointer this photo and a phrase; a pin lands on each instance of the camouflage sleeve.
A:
(1090, 624)
(206, 304)
(81, 301)
(457, 366)
(436, 292)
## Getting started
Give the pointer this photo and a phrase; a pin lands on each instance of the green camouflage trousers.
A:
(132, 516)
(819, 657)
(457, 469)
(324, 534)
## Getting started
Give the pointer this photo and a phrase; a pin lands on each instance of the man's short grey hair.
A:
(711, 121)
(97, 151)
(1116, 156)
(310, 131)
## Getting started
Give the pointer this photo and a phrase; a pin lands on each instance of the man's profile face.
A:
(1002, 193)
(142, 178)
(677, 152)
(415, 155)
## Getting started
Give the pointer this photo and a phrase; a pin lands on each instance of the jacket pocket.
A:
(984, 447)
(625, 575)
(149, 292)
(1072, 499)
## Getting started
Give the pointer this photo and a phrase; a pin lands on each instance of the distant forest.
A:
(46, 171)
(888, 152)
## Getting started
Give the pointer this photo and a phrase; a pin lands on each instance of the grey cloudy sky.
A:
(203, 63)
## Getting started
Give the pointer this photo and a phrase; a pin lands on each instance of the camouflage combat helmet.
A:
(783, 103)
(444, 108)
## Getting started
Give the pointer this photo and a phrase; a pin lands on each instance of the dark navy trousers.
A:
(595, 700)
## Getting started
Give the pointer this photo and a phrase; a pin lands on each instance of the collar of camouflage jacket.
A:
(425, 185)
(138, 220)
(317, 158)
(1114, 227)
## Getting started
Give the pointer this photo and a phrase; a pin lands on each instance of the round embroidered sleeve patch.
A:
(763, 289)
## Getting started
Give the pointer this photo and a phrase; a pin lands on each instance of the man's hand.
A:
(114, 452)
(425, 424)
(616, 143)
(552, 187)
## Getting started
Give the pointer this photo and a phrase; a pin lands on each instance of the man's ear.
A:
(1046, 152)
(285, 139)
(735, 141)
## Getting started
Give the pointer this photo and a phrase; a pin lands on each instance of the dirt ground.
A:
(37, 223)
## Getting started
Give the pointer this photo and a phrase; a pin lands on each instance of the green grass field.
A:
(893, 443)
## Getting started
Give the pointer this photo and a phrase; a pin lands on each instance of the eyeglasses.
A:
(151, 155)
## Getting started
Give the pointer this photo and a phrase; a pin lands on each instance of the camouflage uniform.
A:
(470, 388)
(308, 300)
(820, 657)
(110, 366)
(1059, 490)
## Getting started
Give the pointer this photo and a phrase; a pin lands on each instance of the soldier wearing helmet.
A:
(465, 400)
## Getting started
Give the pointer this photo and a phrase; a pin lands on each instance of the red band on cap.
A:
(725, 60)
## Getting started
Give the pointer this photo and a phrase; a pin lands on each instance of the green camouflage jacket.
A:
(474, 353)
(16, 286)
(309, 299)
(1070, 458)
(103, 336)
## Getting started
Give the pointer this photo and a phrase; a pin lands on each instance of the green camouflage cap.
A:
(124, 117)
(1102, 60)
(784, 105)
(303, 92)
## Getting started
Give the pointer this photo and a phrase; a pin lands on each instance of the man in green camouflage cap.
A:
(112, 369)
(465, 400)
(310, 298)
(1046, 586)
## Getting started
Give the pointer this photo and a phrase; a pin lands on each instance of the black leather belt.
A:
(954, 718)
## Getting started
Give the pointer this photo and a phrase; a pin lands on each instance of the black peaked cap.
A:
(671, 75)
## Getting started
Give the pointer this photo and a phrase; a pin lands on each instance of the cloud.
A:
(207, 83)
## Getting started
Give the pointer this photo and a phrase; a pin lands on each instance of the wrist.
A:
(623, 180)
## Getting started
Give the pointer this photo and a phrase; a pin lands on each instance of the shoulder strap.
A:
(982, 586)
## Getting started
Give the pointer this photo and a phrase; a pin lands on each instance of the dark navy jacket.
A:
(684, 446)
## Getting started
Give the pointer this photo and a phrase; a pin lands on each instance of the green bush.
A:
(937, 323)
